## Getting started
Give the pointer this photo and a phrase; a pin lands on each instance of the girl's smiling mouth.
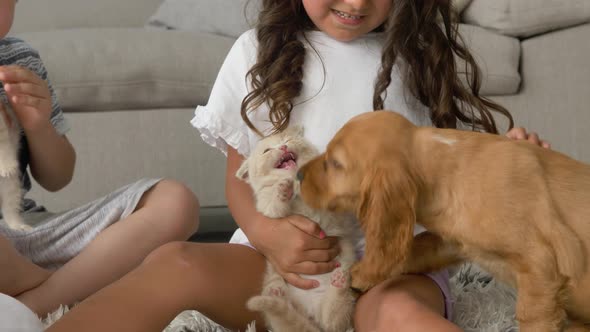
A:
(346, 18)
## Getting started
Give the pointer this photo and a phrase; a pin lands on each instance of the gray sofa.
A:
(129, 91)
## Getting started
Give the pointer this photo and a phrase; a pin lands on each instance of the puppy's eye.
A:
(332, 163)
(335, 163)
(266, 150)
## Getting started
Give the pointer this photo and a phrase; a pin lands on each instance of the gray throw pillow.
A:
(223, 17)
(525, 18)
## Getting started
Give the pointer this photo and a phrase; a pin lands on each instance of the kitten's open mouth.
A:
(288, 161)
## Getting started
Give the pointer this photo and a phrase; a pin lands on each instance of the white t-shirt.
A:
(338, 83)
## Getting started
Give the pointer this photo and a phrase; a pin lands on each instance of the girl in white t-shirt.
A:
(315, 63)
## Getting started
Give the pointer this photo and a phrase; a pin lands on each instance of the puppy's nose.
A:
(300, 175)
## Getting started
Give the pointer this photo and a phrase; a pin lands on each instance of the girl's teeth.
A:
(345, 15)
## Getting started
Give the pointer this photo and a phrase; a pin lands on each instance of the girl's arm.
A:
(293, 244)
(52, 157)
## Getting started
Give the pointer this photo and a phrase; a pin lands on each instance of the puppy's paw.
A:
(360, 280)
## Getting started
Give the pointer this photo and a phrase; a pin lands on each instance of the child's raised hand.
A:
(296, 245)
(29, 96)
(520, 133)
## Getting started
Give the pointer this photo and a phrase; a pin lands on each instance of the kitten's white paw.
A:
(286, 190)
(340, 279)
(259, 303)
(8, 168)
(251, 327)
(19, 226)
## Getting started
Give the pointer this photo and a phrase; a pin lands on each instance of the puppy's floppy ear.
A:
(242, 172)
(387, 215)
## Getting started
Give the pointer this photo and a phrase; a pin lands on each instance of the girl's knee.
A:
(182, 195)
(397, 306)
(178, 207)
(174, 256)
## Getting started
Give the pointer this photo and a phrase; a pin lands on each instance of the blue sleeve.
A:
(25, 55)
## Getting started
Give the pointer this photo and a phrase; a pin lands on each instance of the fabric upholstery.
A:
(554, 99)
(43, 15)
(524, 18)
(497, 56)
(115, 148)
(223, 17)
(125, 68)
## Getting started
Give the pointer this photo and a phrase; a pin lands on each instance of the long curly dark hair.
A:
(422, 33)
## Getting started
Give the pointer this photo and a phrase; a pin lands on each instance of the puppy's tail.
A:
(281, 315)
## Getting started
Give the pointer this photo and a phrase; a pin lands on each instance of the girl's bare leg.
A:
(412, 303)
(215, 279)
(18, 273)
(167, 212)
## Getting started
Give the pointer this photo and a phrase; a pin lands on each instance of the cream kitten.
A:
(271, 171)
(10, 182)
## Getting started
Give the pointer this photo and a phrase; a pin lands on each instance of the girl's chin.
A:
(344, 36)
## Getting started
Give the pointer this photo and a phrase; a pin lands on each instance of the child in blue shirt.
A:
(68, 256)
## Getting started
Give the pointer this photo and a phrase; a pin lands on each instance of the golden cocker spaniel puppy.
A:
(519, 210)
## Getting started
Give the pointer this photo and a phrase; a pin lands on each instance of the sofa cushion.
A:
(497, 56)
(43, 15)
(127, 68)
(459, 5)
(224, 17)
(523, 18)
(555, 94)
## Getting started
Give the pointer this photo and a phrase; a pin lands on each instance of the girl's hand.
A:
(520, 133)
(296, 245)
(29, 96)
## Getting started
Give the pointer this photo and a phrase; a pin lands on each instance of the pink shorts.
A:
(441, 278)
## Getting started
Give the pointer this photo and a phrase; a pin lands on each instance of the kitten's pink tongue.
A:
(289, 164)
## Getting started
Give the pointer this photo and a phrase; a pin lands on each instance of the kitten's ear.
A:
(242, 172)
(296, 130)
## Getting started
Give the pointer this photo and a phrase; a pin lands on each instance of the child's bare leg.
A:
(215, 279)
(167, 212)
(412, 303)
(18, 273)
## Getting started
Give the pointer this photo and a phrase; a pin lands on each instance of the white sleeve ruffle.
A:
(220, 122)
(219, 133)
